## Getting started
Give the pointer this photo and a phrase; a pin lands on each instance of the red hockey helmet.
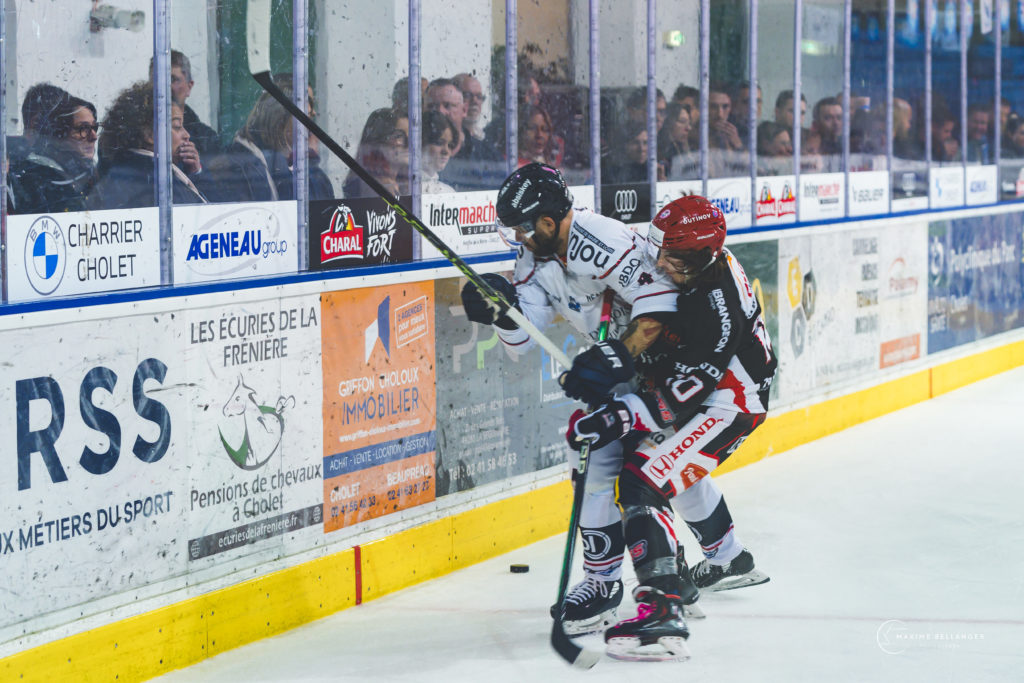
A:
(690, 223)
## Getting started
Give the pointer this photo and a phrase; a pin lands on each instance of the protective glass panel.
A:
(80, 127)
(822, 70)
(625, 188)
(868, 42)
(983, 112)
(909, 187)
(678, 76)
(1011, 168)
(553, 87)
(947, 148)
(461, 150)
(728, 125)
(776, 113)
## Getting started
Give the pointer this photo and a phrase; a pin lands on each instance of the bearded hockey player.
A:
(566, 259)
(703, 389)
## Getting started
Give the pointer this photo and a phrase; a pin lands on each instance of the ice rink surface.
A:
(895, 550)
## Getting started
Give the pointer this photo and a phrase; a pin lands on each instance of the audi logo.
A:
(625, 201)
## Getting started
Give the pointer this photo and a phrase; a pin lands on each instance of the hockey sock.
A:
(603, 550)
(713, 530)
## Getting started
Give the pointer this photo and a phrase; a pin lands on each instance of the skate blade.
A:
(751, 578)
(667, 649)
(598, 624)
(694, 612)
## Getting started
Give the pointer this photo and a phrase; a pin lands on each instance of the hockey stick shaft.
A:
(560, 640)
(258, 44)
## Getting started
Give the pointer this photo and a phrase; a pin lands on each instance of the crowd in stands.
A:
(69, 159)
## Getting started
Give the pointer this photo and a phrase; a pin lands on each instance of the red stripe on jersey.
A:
(722, 540)
(527, 278)
(519, 343)
(731, 383)
(645, 296)
(616, 264)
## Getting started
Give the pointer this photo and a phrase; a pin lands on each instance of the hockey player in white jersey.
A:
(566, 260)
(703, 389)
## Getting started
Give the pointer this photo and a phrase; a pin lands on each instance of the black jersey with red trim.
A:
(714, 351)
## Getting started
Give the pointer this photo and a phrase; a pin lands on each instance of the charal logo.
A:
(262, 426)
(342, 239)
(769, 206)
(46, 255)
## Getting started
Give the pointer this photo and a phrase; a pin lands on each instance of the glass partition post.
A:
(946, 183)
(594, 71)
(511, 85)
(845, 98)
(415, 100)
(3, 151)
(753, 104)
(651, 114)
(300, 136)
(867, 64)
(705, 85)
(981, 112)
(890, 88)
(162, 134)
(799, 99)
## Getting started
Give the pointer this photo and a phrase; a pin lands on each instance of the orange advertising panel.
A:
(900, 350)
(379, 401)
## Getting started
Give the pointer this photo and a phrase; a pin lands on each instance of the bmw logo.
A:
(46, 255)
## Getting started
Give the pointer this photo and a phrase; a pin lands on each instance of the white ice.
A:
(895, 550)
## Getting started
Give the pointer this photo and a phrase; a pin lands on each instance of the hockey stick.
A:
(258, 45)
(560, 640)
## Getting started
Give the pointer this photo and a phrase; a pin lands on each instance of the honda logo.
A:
(625, 201)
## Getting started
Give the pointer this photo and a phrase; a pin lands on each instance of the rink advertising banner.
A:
(822, 196)
(981, 184)
(869, 193)
(465, 221)
(775, 202)
(355, 232)
(851, 303)
(379, 383)
(668, 191)
(732, 197)
(501, 414)
(627, 203)
(254, 385)
(909, 186)
(93, 425)
(975, 278)
(222, 241)
(82, 253)
(946, 186)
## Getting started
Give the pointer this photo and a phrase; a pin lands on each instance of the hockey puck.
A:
(519, 568)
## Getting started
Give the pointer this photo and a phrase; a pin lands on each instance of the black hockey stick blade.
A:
(258, 36)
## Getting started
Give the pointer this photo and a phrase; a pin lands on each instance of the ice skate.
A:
(590, 606)
(657, 633)
(689, 593)
(739, 573)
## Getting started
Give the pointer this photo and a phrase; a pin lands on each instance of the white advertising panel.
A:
(84, 252)
(583, 196)
(465, 221)
(850, 304)
(732, 197)
(869, 193)
(93, 424)
(946, 186)
(254, 382)
(223, 241)
(982, 185)
(821, 196)
(776, 203)
(674, 189)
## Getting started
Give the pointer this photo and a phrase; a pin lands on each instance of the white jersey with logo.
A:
(602, 254)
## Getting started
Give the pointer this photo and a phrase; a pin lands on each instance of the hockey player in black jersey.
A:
(703, 389)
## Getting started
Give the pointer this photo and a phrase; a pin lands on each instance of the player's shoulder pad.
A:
(525, 267)
(598, 244)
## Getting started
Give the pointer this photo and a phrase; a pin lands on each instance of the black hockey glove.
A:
(595, 371)
(608, 423)
(479, 308)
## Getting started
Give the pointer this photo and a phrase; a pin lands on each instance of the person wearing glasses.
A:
(440, 140)
(477, 165)
(384, 152)
(566, 260)
(59, 169)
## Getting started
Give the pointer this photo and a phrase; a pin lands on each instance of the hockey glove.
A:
(608, 423)
(481, 310)
(595, 371)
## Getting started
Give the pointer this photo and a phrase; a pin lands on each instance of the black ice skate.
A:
(657, 633)
(689, 592)
(590, 606)
(739, 573)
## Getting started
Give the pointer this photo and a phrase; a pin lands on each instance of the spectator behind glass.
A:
(811, 160)
(127, 173)
(726, 156)
(384, 152)
(636, 107)
(979, 125)
(59, 169)
(689, 98)
(677, 160)
(741, 109)
(439, 141)
(828, 123)
(257, 166)
(400, 94)
(868, 146)
(1013, 141)
(443, 96)
(627, 162)
(785, 112)
(904, 145)
(40, 100)
(945, 148)
(536, 140)
(477, 165)
(205, 138)
(774, 149)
